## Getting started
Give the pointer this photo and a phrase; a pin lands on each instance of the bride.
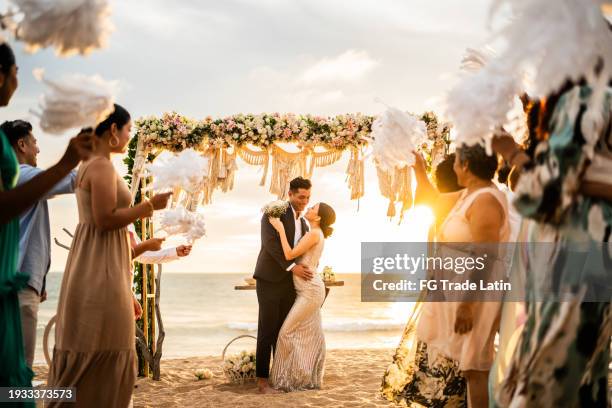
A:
(300, 348)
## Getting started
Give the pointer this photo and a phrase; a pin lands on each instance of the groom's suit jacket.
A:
(271, 263)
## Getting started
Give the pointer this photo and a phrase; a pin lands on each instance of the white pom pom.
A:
(395, 135)
(75, 101)
(179, 221)
(71, 26)
(185, 170)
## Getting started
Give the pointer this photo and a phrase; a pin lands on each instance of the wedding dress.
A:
(300, 349)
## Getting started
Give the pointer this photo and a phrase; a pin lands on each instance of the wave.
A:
(336, 325)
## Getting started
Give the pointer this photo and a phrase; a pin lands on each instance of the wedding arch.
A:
(256, 140)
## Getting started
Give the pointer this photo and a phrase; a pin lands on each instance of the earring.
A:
(113, 142)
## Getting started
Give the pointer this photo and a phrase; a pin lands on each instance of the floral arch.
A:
(256, 140)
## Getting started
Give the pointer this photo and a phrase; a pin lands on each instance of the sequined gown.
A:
(300, 348)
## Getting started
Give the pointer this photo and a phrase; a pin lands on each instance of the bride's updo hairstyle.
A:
(328, 217)
(120, 117)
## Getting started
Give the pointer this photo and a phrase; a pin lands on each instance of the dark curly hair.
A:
(16, 130)
(328, 217)
(479, 163)
(299, 182)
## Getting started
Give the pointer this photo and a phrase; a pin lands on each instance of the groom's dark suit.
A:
(275, 291)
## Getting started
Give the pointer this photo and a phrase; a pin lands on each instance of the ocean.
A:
(202, 313)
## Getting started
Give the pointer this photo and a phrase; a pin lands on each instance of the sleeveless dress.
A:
(94, 333)
(428, 363)
(14, 371)
(300, 349)
(473, 350)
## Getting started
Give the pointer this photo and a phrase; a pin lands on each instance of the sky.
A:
(215, 58)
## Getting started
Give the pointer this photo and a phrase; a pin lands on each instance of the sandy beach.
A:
(352, 379)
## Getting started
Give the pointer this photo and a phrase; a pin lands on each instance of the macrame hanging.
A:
(220, 174)
(321, 159)
(285, 167)
(355, 174)
(396, 185)
(227, 170)
(255, 158)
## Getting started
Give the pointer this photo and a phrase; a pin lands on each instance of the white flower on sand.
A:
(275, 209)
(203, 374)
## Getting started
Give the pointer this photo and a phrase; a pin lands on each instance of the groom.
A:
(274, 274)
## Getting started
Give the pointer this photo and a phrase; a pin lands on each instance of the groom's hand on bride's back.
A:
(303, 272)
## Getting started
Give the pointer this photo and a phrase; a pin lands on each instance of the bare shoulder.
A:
(313, 236)
(98, 169)
(486, 205)
(99, 165)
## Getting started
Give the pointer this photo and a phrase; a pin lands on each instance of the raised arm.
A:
(307, 241)
(485, 217)
(103, 189)
(15, 201)
(426, 193)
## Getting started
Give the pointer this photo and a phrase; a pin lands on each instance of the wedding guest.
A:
(454, 349)
(446, 182)
(562, 355)
(445, 176)
(34, 231)
(153, 253)
(150, 252)
(94, 334)
(14, 200)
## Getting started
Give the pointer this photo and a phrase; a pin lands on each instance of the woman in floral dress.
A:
(563, 353)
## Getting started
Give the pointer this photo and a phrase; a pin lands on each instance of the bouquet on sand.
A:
(239, 368)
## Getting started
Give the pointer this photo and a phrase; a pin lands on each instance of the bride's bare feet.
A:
(263, 387)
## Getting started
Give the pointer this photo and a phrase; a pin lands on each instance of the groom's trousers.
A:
(275, 301)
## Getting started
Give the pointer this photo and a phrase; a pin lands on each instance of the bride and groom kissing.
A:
(290, 294)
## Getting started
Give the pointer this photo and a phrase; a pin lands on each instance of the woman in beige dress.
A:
(94, 335)
(454, 351)
(465, 331)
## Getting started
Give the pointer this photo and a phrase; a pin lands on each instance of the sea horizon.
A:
(202, 312)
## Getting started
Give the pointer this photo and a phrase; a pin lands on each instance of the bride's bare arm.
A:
(307, 241)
